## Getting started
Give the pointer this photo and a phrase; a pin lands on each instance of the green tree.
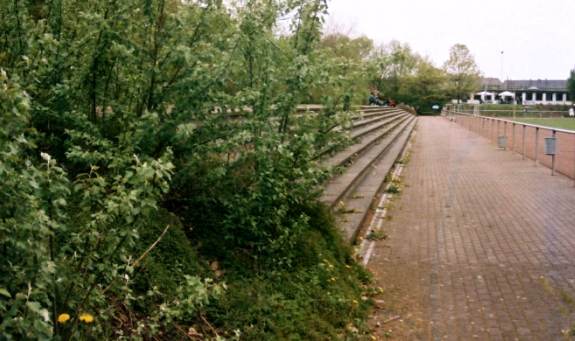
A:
(357, 49)
(426, 87)
(462, 71)
(342, 76)
(571, 85)
(390, 66)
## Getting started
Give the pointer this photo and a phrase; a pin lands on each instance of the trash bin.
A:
(502, 141)
(550, 145)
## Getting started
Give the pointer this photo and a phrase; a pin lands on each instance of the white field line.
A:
(367, 246)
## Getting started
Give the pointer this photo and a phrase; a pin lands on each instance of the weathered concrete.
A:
(481, 244)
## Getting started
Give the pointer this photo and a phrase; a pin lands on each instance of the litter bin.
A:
(550, 145)
(502, 141)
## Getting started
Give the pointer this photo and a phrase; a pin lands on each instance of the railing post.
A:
(505, 134)
(513, 137)
(523, 142)
(536, 144)
(491, 128)
(477, 123)
(553, 156)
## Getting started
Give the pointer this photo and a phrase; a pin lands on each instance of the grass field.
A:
(508, 110)
(509, 107)
(562, 123)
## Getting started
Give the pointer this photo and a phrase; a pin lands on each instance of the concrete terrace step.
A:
(374, 108)
(366, 121)
(366, 142)
(375, 125)
(357, 203)
(373, 113)
(343, 184)
(366, 129)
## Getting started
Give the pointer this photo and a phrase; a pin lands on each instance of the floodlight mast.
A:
(502, 59)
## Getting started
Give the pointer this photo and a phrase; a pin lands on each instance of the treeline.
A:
(397, 72)
(571, 84)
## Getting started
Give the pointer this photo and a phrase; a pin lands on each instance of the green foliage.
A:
(462, 71)
(393, 189)
(70, 240)
(391, 65)
(400, 74)
(561, 122)
(343, 75)
(142, 139)
(319, 298)
(426, 88)
(376, 235)
(519, 111)
(571, 85)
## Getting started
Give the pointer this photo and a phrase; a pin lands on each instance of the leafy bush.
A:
(71, 242)
(143, 141)
(322, 296)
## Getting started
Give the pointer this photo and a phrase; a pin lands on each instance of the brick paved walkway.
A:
(481, 244)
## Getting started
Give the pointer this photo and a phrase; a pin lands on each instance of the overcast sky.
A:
(537, 36)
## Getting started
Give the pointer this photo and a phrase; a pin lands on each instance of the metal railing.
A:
(551, 147)
(522, 113)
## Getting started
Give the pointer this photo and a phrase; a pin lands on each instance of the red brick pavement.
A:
(481, 244)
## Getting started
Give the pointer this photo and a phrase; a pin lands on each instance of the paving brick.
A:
(481, 241)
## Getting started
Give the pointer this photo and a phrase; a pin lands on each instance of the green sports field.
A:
(562, 123)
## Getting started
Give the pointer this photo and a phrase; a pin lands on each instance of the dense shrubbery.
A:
(130, 199)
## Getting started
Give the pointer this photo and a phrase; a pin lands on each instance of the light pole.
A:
(502, 57)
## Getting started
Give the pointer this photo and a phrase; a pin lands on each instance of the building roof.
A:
(515, 85)
(539, 84)
(490, 81)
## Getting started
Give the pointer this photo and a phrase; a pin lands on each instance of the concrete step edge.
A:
(392, 135)
(388, 160)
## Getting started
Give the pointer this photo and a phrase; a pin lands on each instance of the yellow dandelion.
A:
(63, 318)
(86, 318)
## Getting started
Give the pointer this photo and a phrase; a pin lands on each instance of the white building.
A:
(527, 92)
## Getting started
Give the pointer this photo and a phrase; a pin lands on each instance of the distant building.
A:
(528, 92)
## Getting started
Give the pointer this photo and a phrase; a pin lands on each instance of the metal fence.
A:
(551, 147)
(515, 111)
(520, 113)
